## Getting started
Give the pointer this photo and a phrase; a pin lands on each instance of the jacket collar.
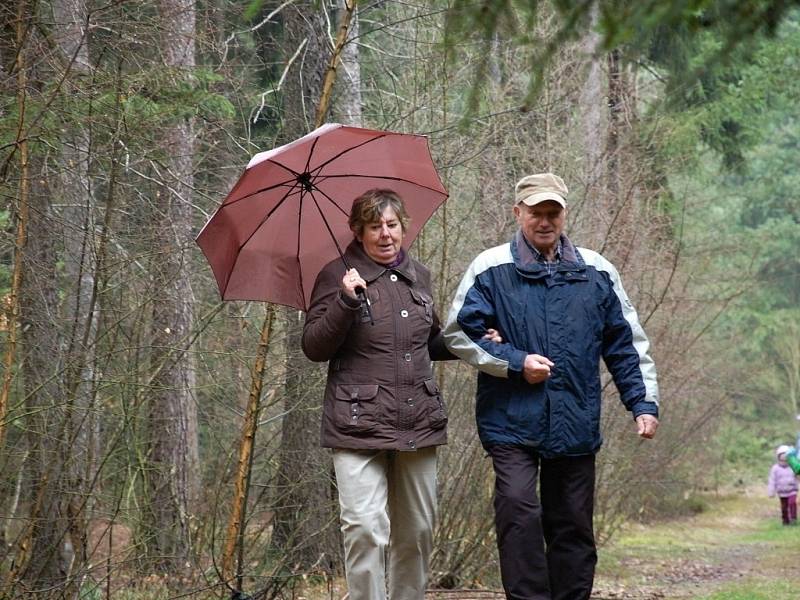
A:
(527, 263)
(370, 270)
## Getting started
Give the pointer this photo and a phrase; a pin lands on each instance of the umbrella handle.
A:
(362, 295)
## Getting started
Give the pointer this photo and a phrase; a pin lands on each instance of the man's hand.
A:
(536, 368)
(646, 425)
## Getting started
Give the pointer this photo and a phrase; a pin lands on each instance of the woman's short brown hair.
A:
(369, 206)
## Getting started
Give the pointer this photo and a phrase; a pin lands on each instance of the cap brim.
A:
(535, 199)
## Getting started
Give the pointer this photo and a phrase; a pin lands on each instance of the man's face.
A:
(541, 223)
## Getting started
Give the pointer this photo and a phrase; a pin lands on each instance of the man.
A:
(556, 310)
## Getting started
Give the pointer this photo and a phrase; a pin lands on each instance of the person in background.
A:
(782, 482)
(554, 311)
(383, 415)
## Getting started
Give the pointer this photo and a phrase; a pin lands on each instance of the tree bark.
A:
(347, 103)
(79, 312)
(590, 219)
(173, 446)
(43, 557)
(47, 553)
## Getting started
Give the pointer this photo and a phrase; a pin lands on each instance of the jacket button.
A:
(410, 402)
(407, 356)
(412, 444)
(404, 313)
(393, 277)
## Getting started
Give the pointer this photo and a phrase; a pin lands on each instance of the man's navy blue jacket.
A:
(573, 316)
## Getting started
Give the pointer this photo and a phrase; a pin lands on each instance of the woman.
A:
(383, 415)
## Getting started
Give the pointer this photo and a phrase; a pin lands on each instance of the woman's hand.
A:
(351, 281)
(493, 335)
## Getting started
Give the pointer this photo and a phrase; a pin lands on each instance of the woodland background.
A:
(126, 381)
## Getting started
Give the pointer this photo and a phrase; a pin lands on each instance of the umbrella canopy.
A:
(286, 217)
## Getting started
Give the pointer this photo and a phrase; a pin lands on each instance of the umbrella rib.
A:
(343, 152)
(269, 187)
(316, 169)
(327, 225)
(386, 177)
(291, 192)
(332, 201)
(303, 192)
(310, 154)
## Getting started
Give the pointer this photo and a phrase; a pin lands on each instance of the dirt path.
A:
(735, 549)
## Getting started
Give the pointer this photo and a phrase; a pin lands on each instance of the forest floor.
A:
(736, 549)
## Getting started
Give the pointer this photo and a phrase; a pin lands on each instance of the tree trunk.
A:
(347, 100)
(616, 100)
(305, 525)
(590, 218)
(173, 453)
(50, 554)
(43, 558)
(79, 314)
(621, 186)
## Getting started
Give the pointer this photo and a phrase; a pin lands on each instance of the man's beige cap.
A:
(537, 188)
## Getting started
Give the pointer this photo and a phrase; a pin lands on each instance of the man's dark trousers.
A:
(547, 548)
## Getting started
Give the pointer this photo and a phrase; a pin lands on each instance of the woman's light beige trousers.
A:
(388, 512)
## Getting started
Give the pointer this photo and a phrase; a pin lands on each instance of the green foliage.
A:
(253, 10)
(156, 97)
(742, 450)
(755, 218)
(727, 105)
(620, 23)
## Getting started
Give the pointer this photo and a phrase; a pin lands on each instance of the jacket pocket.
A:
(437, 414)
(355, 408)
(425, 304)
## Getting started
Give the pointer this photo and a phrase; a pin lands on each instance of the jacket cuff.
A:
(348, 302)
(645, 408)
(516, 364)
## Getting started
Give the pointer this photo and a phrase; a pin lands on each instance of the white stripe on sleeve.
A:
(458, 342)
(640, 342)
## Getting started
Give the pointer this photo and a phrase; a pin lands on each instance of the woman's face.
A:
(382, 239)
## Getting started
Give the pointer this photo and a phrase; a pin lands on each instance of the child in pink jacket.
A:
(783, 482)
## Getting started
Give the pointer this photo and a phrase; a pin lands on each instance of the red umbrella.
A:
(286, 217)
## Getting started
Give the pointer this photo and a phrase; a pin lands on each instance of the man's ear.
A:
(516, 211)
